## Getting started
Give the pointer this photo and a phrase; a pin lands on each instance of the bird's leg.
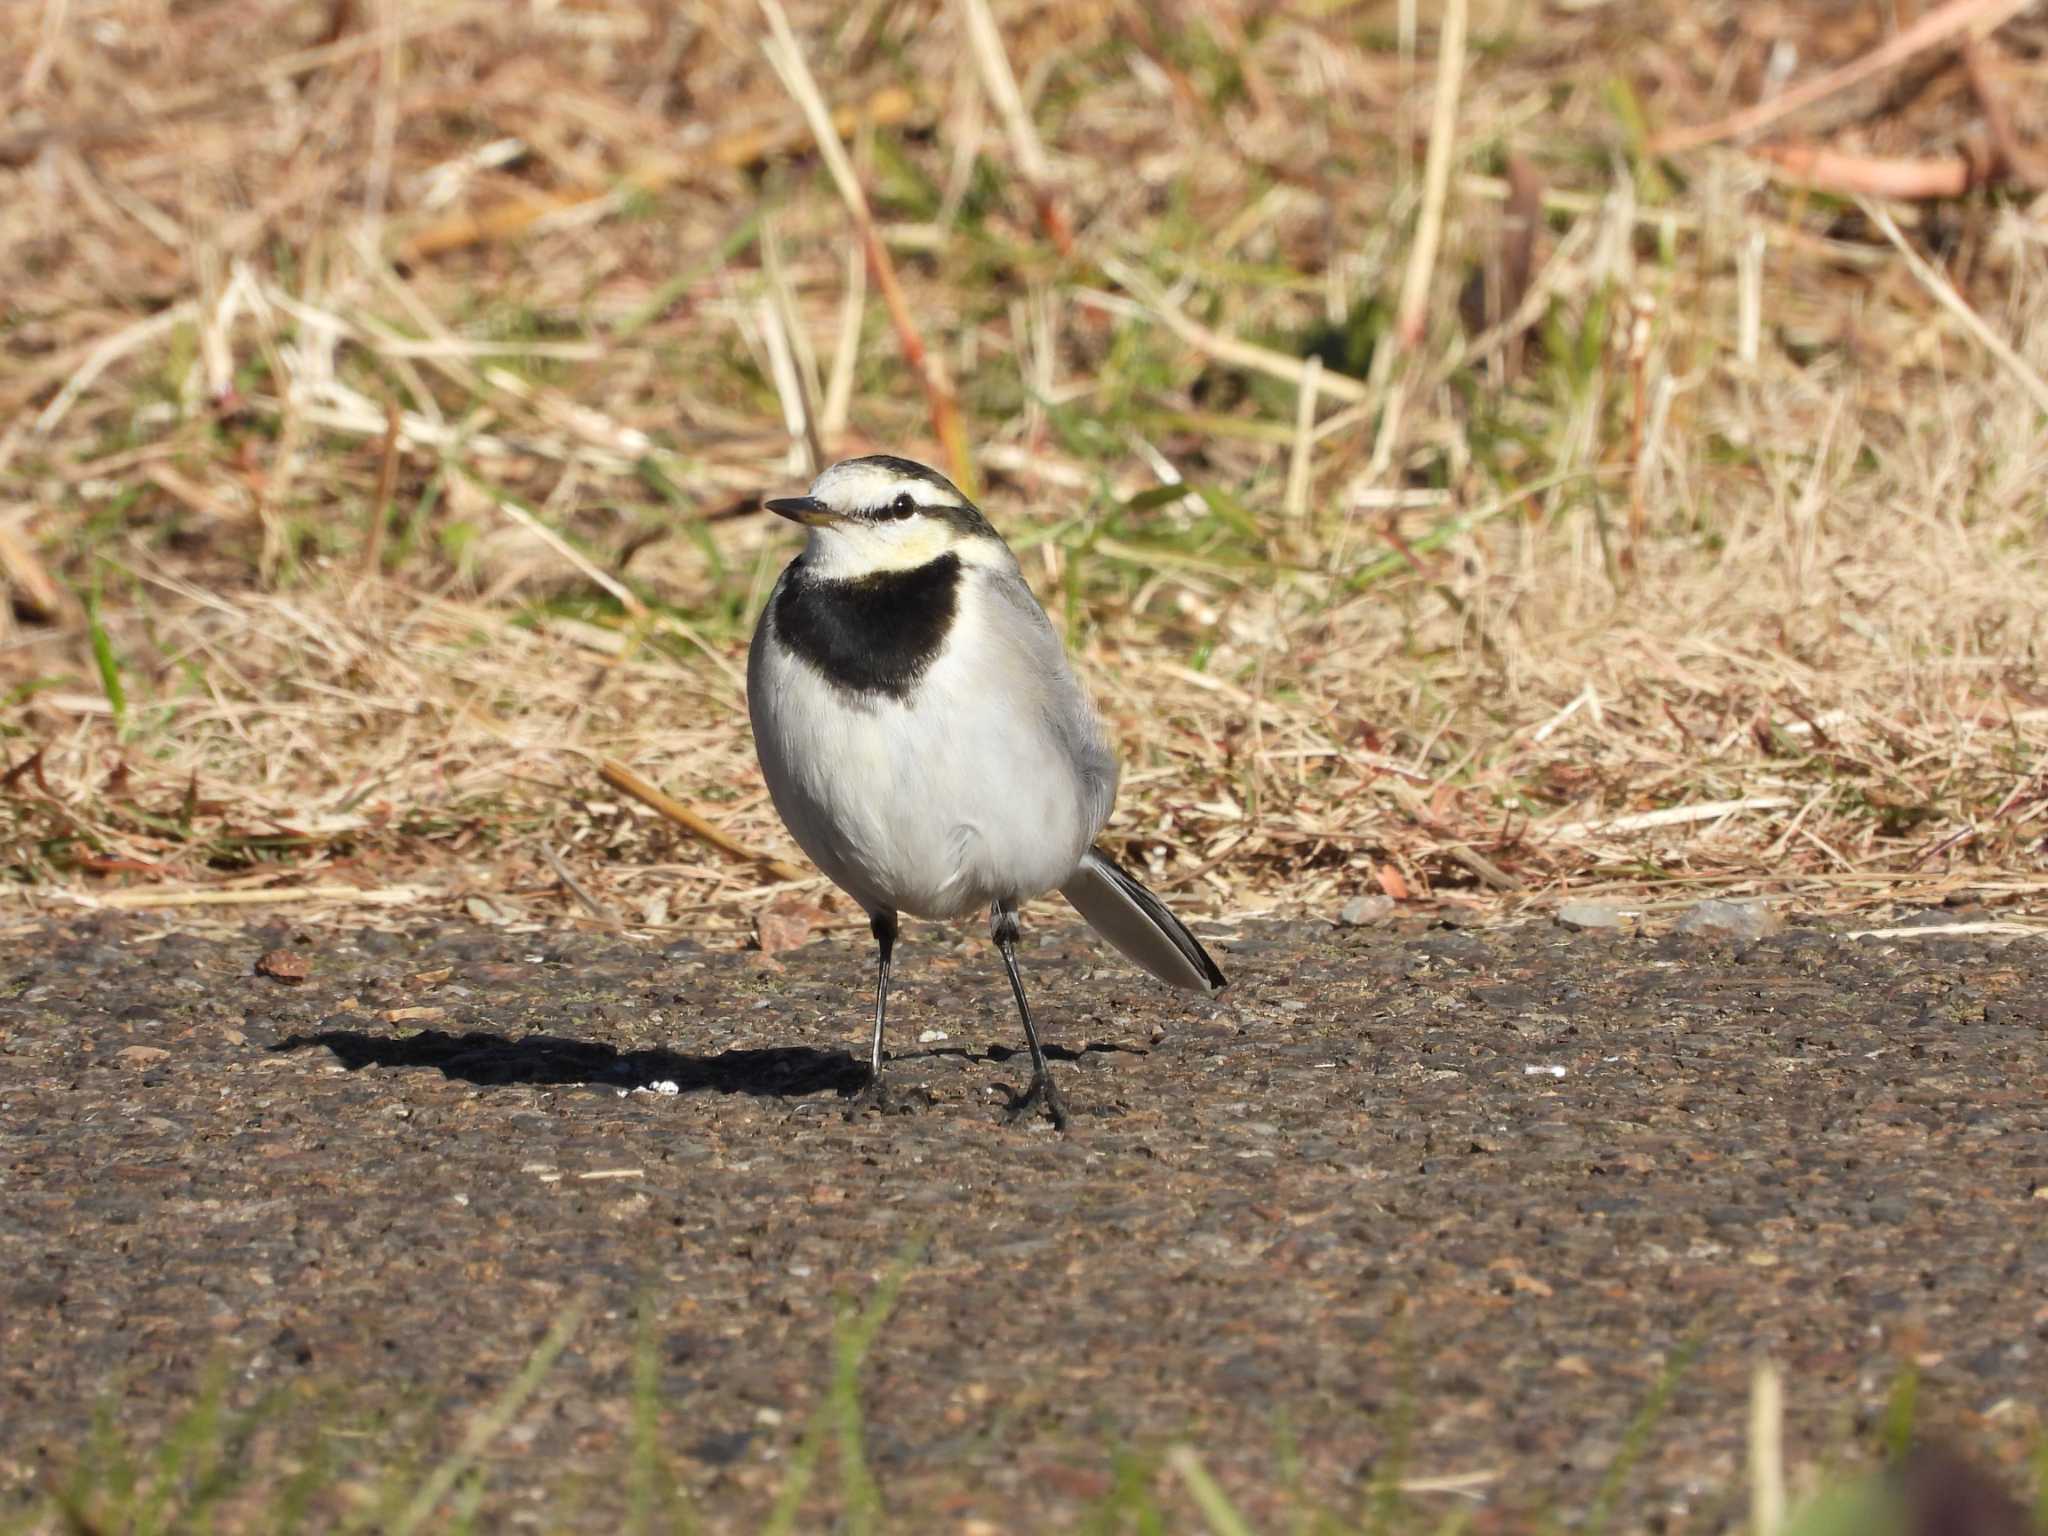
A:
(882, 924)
(1002, 927)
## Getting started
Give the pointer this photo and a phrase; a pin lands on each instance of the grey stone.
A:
(1579, 916)
(1363, 911)
(1740, 922)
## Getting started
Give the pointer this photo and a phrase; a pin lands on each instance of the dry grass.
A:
(387, 388)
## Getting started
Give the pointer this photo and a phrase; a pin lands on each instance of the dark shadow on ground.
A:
(496, 1060)
(1053, 1052)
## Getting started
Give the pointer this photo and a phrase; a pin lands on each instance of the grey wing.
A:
(1064, 707)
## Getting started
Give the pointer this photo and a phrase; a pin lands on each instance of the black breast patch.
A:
(870, 634)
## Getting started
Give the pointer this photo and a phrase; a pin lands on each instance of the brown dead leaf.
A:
(412, 1015)
(284, 965)
(36, 595)
(786, 925)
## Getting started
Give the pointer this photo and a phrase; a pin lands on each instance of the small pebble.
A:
(1363, 911)
(1583, 916)
(1741, 922)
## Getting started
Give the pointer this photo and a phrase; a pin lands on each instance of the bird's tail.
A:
(1138, 924)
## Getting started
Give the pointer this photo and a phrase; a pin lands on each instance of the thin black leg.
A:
(882, 925)
(1002, 927)
(875, 1092)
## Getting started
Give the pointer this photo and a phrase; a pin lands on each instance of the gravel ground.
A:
(1473, 1187)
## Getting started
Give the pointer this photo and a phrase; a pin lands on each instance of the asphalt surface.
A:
(1446, 1201)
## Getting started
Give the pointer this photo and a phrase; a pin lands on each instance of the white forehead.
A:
(864, 483)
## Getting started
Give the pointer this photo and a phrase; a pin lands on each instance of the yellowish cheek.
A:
(907, 548)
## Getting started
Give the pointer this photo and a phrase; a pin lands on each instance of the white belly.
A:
(936, 807)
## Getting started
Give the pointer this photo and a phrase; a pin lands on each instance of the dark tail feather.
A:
(1138, 924)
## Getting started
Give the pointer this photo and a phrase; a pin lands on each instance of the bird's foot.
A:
(886, 1098)
(1042, 1094)
(873, 1094)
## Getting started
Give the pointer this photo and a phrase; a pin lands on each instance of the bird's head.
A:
(882, 513)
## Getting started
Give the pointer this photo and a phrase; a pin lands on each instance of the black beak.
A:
(801, 509)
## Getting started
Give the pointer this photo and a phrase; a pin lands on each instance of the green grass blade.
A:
(106, 662)
(841, 1409)
(796, 1482)
(1898, 1415)
(227, 1465)
(1129, 1504)
(1209, 1497)
(857, 1491)
(493, 1422)
(1384, 1497)
(469, 1498)
(315, 1472)
(651, 1483)
(1638, 1434)
(185, 1452)
(1450, 528)
(105, 1466)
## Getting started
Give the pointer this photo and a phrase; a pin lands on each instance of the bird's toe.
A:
(1041, 1095)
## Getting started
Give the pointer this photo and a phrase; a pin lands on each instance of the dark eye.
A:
(902, 506)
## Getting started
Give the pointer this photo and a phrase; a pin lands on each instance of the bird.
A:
(927, 744)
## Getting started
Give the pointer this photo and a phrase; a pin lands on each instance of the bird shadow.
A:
(497, 1061)
(493, 1061)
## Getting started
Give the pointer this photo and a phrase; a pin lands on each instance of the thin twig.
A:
(1673, 816)
(569, 552)
(39, 62)
(622, 778)
(801, 346)
(787, 377)
(105, 353)
(574, 887)
(1945, 294)
(383, 123)
(1766, 1450)
(141, 901)
(380, 504)
(734, 152)
(782, 329)
(985, 42)
(1937, 26)
(2008, 155)
(1410, 318)
(1300, 459)
(846, 349)
(1834, 170)
(786, 56)
(1530, 308)
(1642, 317)
(1226, 349)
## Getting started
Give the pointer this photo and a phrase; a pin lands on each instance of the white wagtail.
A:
(925, 741)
